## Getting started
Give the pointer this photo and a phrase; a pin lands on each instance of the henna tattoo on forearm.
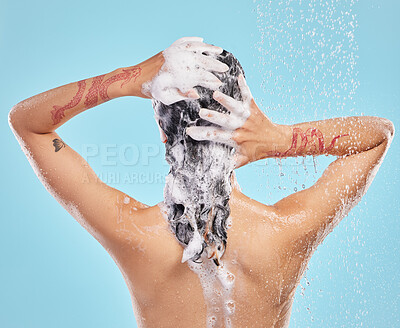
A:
(126, 76)
(97, 88)
(311, 137)
(58, 112)
(92, 95)
(58, 144)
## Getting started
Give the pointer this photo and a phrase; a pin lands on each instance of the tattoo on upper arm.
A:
(58, 144)
(312, 137)
(97, 88)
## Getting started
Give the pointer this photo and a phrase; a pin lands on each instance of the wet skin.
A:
(268, 246)
(265, 254)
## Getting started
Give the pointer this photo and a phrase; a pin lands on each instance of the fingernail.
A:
(204, 113)
(216, 94)
(194, 94)
(226, 68)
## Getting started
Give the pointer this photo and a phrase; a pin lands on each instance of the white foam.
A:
(239, 112)
(181, 72)
(184, 68)
(194, 247)
(217, 283)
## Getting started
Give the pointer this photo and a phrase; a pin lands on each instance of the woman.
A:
(244, 259)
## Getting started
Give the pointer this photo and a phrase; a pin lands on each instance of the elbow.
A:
(388, 129)
(14, 120)
(384, 128)
(391, 129)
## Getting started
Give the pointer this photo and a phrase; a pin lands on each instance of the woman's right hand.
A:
(245, 127)
(180, 68)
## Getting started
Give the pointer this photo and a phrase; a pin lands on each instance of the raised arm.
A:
(360, 142)
(65, 174)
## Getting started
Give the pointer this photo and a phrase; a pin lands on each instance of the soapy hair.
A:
(198, 185)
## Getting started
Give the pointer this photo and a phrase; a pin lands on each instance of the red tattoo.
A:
(99, 88)
(126, 76)
(307, 138)
(58, 112)
(334, 140)
(92, 95)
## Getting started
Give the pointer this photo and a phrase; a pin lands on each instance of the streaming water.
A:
(307, 54)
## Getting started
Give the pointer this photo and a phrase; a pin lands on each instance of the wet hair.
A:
(198, 185)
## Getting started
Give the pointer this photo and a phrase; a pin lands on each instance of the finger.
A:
(210, 133)
(188, 39)
(211, 49)
(229, 103)
(224, 120)
(192, 93)
(211, 64)
(244, 89)
(212, 85)
(201, 47)
(206, 80)
(168, 96)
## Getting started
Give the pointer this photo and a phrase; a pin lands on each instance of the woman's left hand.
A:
(245, 127)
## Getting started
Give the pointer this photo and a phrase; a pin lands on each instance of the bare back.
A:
(167, 293)
(268, 247)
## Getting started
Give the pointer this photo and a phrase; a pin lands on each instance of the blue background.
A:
(54, 274)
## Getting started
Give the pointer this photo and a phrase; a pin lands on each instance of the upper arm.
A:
(99, 208)
(321, 207)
